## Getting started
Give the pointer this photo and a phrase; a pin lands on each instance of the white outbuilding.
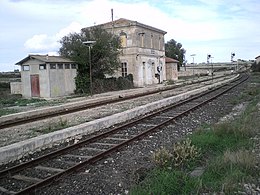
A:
(45, 76)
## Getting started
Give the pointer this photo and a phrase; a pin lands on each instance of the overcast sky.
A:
(216, 27)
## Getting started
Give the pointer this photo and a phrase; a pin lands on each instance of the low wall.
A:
(16, 87)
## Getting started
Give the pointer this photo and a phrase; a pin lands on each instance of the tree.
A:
(104, 54)
(174, 50)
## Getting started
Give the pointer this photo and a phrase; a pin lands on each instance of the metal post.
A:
(192, 55)
(212, 68)
(90, 71)
(89, 44)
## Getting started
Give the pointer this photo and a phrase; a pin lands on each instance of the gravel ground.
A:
(120, 171)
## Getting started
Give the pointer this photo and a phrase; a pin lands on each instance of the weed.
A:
(162, 157)
(63, 123)
(243, 158)
(180, 154)
(184, 152)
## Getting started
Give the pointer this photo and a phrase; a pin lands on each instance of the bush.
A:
(162, 157)
(180, 154)
(184, 152)
(112, 84)
(101, 85)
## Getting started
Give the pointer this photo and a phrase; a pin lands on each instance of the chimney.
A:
(47, 57)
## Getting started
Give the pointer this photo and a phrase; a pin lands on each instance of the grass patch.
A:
(225, 155)
(62, 124)
(158, 182)
(17, 100)
(7, 111)
(226, 171)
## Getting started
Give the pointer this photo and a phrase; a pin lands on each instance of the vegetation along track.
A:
(28, 177)
(59, 112)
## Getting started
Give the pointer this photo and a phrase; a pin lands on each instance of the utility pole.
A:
(112, 17)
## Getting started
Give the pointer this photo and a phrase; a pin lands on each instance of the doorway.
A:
(35, 85)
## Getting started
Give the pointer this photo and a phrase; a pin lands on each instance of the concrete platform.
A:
(80, 102)
(18, 150)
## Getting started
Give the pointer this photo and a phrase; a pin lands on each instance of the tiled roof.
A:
(46, 59)
(170, 60)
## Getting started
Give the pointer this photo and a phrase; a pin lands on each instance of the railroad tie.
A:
(50, 169)
(26, 179)
(4, 190)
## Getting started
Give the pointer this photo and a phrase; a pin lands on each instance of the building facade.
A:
(47, 76)
(257, 59)
(143, 51)
(171, 69)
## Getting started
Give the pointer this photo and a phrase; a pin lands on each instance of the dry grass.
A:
(243, 158)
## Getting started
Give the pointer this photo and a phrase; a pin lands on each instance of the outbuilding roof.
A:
(46, 59)
(170, 60)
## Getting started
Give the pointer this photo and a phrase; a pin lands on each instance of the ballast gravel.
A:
(122, 170)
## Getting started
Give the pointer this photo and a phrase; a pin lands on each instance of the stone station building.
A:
(143, 51)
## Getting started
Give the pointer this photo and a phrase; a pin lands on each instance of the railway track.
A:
(28, 177)
(68, 110)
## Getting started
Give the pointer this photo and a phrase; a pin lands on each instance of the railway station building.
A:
(143, 51)
(46, 76)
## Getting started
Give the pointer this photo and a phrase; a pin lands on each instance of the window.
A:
(141, 34)
(60, 66)
(26, 67)
(67, 66)
(123, 38)
(42, 67)
(73, 66)
(124, 69)
(152, 41)
(159, 43)
(52, 66)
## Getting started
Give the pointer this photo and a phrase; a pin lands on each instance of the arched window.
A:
(123, 37)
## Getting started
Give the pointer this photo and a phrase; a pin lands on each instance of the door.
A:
(144, 74)
(35, 85)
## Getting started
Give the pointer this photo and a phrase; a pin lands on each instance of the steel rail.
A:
(55, 113)
(31, 189)
(94, 138)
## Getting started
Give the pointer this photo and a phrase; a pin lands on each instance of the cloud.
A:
(216, 26)
(199, 26)
(49, 43)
